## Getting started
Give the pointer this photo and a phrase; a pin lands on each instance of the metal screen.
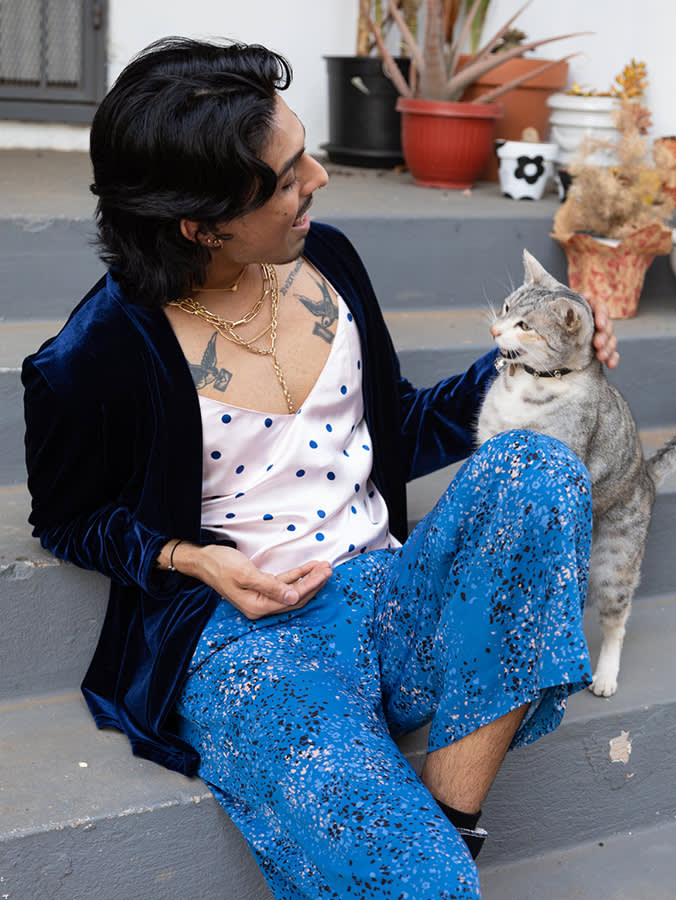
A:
(51, 52)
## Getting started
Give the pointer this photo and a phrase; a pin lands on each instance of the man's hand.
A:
(254, 593)
(605, 340)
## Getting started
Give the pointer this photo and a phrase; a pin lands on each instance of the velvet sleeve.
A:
(79, 511)
(437, 423)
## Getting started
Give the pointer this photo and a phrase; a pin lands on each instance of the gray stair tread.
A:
(420, 330)
(625, 866)
(20, 338)
(91, 774)
(43, 184)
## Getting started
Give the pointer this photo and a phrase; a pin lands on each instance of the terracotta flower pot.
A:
(613, 271)
(524, 106)
(665, 150)
(446, 145)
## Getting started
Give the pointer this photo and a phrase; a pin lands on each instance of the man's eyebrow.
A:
(291, 163)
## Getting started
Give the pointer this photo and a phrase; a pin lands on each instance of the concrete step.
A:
(431, 343)
(95, 821)
(624, 866)
(423, 248)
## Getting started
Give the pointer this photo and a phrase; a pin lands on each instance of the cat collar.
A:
(503, 361)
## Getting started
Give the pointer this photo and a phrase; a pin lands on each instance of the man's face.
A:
(276, 232)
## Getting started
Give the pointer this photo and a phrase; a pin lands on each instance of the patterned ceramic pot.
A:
(525, 168)
(613, 270)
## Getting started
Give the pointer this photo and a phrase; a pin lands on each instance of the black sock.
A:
(459, 819)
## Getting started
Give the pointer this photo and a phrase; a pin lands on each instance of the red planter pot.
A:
(446, 145)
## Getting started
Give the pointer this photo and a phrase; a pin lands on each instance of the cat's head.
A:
(544, 324)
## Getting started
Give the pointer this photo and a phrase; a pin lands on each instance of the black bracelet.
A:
(172, 567)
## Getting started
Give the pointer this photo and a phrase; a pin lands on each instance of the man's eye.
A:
(290, 184)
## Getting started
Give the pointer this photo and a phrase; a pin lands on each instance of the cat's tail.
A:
(663, 462)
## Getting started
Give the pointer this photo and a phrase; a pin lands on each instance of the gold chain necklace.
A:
(234, 287)
(227, 329)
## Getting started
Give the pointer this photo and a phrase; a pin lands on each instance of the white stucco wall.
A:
(306, 30)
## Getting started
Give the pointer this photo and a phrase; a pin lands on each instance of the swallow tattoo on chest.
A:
(207, 372)
(324, 309)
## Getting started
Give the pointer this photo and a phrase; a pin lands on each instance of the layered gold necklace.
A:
(228, 330)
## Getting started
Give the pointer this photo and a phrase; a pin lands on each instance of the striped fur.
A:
(548, 327)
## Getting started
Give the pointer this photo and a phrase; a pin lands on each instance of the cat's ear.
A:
(569, 314)
(534, 273)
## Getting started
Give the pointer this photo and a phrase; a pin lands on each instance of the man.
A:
(218, 420)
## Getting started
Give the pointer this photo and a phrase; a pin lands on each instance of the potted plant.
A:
(614, 219)
(446, 140)
(524, 106)
(364, 125)
(525, 166)
(580, 113)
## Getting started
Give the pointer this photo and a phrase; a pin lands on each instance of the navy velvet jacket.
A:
(114, 456)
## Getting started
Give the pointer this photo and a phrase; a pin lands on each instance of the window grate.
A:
(51, 58)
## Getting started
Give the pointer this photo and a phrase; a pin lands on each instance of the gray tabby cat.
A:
(550, 381)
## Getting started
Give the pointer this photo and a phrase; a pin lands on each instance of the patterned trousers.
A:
(294, 716)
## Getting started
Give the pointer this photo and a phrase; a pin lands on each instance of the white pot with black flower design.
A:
(525, 168)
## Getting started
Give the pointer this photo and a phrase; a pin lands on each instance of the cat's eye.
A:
(524, 326)
(505, 308)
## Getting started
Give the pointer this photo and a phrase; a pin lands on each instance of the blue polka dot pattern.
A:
(317, 460)
(319, 536)
(215, 454)
(267, 517)
(321, 513)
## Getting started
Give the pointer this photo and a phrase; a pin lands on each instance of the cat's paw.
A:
(603, 684)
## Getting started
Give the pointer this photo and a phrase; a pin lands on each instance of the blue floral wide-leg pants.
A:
(294, 716)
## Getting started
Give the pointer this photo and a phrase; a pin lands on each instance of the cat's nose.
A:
(495, 331)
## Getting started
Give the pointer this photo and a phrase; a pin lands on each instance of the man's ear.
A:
(192, 231)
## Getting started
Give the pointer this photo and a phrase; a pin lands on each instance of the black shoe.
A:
(474, 838)
(466, 826)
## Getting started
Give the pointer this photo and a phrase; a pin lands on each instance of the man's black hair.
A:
(179, 136)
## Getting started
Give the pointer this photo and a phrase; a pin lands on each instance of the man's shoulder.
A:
(100, 330)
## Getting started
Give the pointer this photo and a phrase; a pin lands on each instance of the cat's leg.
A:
(617, 552)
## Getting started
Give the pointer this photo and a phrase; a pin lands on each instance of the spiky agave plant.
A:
(438, 73)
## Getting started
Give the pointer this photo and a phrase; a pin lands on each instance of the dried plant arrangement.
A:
(618, 200)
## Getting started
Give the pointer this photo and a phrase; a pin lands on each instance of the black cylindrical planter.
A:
(364, 126)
